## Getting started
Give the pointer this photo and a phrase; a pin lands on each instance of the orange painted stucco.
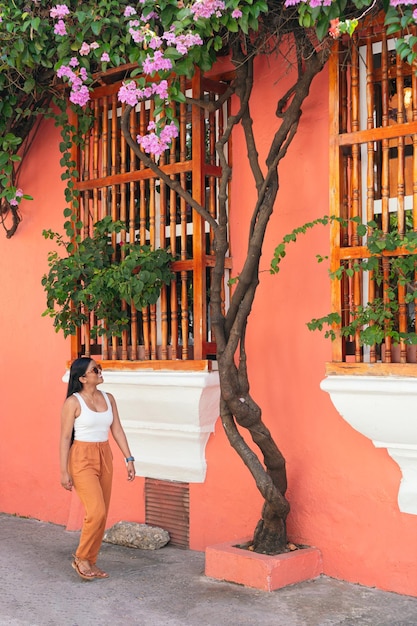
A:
(342, 490)
(33, 357)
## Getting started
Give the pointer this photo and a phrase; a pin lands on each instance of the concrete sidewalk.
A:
(166, 587)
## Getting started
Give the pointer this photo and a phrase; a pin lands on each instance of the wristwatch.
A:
(129, 458)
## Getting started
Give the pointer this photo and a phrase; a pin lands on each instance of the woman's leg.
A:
(105, 479)
(92, 482)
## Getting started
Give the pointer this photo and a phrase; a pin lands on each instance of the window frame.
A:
(350, 133)
(204, 173)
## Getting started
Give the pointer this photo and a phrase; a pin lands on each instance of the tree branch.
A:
(213, 105)
(172, 184)
(264, 481)
(245, 72)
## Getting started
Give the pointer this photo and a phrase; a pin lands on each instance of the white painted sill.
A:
(384, 409)
(168, 417)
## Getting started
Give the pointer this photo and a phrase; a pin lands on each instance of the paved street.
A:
(166, 587)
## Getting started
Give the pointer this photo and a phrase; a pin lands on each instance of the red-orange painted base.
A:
(226, 562)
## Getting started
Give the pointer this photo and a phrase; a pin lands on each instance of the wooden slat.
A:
(335, 192)
(137, 175)
(377, 134)
(198, 191)
(370, 173)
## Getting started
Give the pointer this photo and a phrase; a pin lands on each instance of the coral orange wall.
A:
(33, 358)
(342, 491)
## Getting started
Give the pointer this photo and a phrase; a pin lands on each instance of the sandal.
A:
(97, 572)
(82, 574)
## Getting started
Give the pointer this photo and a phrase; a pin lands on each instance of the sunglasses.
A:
(95, 370)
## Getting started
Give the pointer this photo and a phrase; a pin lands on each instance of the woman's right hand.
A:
(66, 481)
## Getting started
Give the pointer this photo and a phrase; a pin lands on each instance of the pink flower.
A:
(80, 96)
(74, 62)
(105, 58)
(319, 3)
(15, 201)
(129, 11)
(161, 89)
(155, 42)
(137, 35)
(128, 93)
(65, 71)
(170, 36)
(169, 132)
(207, 8)
(415, 15)
(183, 42)
(237, 13)
(60, 28)
(59, 11)
(85, 49)
(152, 144)
(75, 82)
(149, 16)
(156, 63)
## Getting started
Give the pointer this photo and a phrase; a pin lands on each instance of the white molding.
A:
(383, 408)
(168, 417)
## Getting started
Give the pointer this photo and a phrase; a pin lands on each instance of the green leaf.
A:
(322, 28)
(393, 28)
(362, 230)
(96, 27)
(29, 85)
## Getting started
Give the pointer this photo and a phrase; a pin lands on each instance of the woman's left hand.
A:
(131, 473)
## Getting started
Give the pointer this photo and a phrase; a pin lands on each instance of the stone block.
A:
(134, 535)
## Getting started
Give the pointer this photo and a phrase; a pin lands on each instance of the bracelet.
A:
(129, 458)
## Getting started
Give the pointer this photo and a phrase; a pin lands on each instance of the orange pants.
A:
(91, 470)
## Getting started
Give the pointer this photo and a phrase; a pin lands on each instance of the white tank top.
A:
(92, 426)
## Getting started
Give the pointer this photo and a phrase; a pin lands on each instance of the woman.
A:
(87, 463)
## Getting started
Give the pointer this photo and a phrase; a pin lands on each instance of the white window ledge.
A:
(384, 409)
(167, 417)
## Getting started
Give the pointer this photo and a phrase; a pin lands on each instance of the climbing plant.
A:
(98, 276)
(43, 44)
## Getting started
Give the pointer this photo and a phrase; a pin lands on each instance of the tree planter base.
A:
(227, 562)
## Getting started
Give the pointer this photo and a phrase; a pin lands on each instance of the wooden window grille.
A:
(373, 176)
(113, 181)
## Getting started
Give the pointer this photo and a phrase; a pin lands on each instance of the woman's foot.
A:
(83, 568)
(97, 572)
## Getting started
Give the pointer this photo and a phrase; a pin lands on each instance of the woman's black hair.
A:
(78, 369)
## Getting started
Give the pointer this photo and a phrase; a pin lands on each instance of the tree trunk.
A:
(237, 407)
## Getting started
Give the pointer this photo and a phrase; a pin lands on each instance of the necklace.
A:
(89, 398)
